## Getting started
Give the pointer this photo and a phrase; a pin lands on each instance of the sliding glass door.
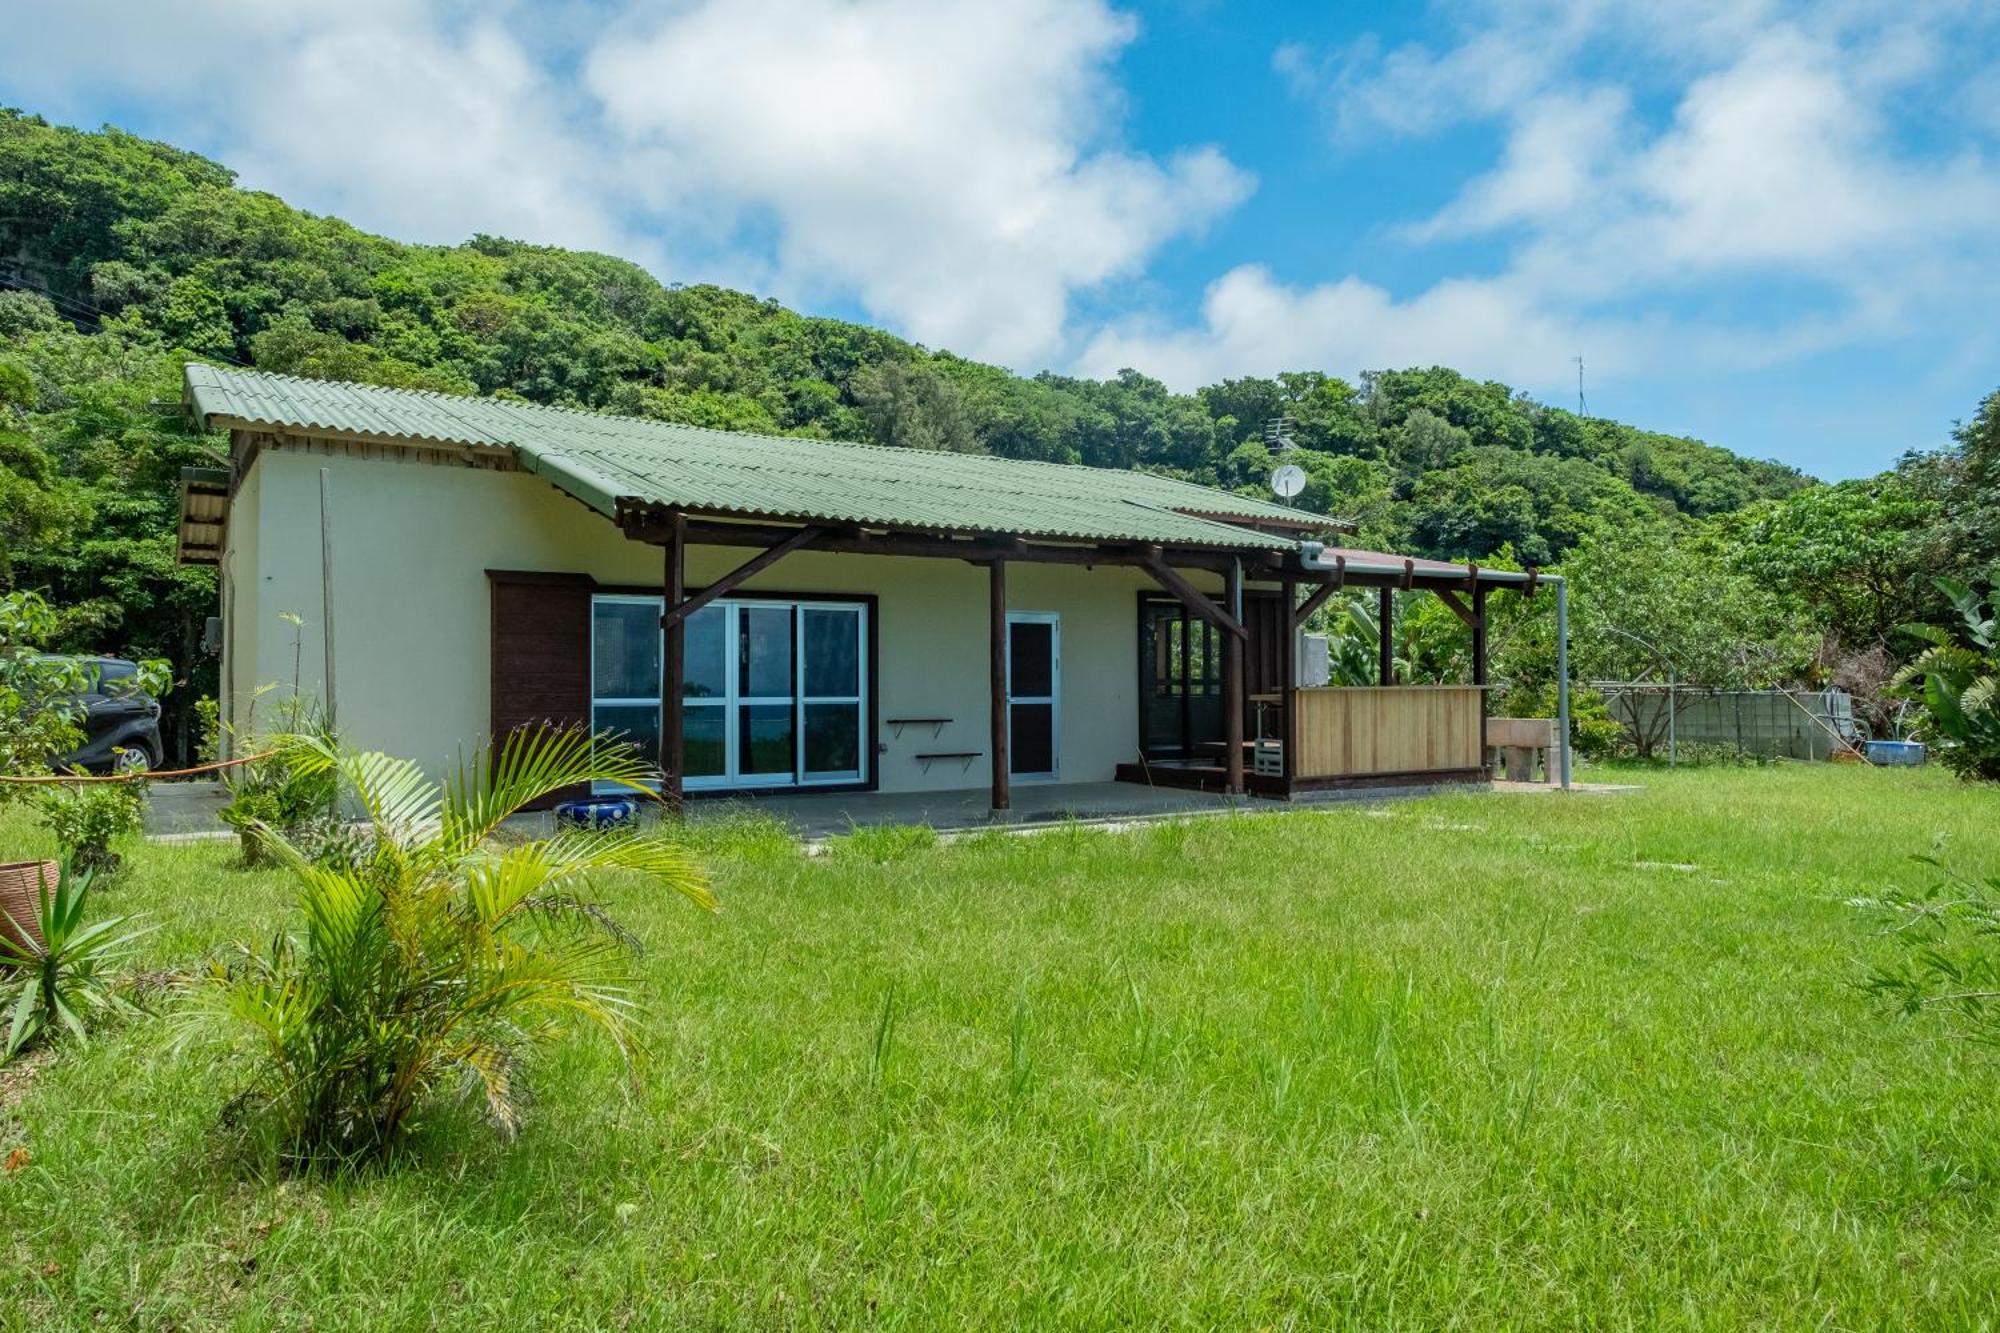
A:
(773, 693)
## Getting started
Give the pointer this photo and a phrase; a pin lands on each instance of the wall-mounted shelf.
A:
(936, 724)
(965, 758)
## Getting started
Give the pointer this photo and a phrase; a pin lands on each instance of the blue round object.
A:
(1896, 754)
(598, 812)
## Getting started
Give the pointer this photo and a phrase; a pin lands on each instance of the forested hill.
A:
(153, 243)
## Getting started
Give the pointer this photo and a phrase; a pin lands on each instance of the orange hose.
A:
(147, 776)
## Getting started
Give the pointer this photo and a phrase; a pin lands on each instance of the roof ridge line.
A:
(439, 399)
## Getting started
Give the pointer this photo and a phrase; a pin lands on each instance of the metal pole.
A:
(326, 584)
(1673, 719)
(1562, 675)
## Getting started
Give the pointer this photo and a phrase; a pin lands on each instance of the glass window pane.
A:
(764, 741)
(1031, 666)
(702, 741)
(767, 652)
(625, 655)
(704, 660)
(833, 739)
(1031, 738)
(638, 724)
(832, 649)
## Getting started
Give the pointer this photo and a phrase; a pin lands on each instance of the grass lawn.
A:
(1472, 1060)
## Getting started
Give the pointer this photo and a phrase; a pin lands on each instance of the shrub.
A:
(1957, 679)
(63, 984)
(85, 817)
(288, 789)
(1592, 729)
(34, 723)
(440, 959)
(1951, 934)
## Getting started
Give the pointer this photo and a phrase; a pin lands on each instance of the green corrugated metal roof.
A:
(613, 462)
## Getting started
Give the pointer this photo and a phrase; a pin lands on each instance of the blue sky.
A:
(1766, 223)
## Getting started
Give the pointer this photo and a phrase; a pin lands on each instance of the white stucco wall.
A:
(412, 542)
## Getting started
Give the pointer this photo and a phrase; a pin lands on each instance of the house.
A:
(824, 616)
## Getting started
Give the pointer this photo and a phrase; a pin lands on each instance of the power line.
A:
(78, 308)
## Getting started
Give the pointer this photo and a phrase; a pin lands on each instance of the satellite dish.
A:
(1288, 480)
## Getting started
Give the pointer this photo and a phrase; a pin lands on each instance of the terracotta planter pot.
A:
(21, 885)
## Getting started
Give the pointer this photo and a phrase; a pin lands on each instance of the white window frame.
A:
(1053, 699)
(732, 700)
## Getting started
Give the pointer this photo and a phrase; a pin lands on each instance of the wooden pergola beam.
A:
(1320, 596)
(736, 577)
(1195, 599)
(974, 550)
(1457, 605)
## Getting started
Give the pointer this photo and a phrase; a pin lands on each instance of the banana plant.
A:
(1957, 679)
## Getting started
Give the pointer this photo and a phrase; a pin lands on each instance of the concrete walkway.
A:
(181, 810)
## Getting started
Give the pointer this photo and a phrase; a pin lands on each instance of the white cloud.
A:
(429, 121)
(953, 166)
(941, 160)
(1780, 167)
(1251, 324)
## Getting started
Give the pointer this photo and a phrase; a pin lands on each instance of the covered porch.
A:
(1277, 738)
(1303, 739)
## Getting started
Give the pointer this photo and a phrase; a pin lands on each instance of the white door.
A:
(1034, 686)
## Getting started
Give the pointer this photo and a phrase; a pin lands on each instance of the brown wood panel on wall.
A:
(1264, 654)
(540, 652)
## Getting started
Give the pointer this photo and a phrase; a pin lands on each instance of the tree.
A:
(1645, 596)
(1853, 552)
(34, 724)
(1963, 481)
(911, 405)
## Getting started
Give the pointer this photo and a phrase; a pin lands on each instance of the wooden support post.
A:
(1479, 665)
(1288, 672)
(736, 577)
(1223, 618)
(996, 631)
(673, 653)
(1314, 601)
(1234, 701)
(1386, 651)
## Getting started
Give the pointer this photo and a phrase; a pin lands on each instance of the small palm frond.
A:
(570, 860)
(440, 956)
(529, 765)
(491, 1065)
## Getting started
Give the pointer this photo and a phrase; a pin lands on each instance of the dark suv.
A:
(120, 721)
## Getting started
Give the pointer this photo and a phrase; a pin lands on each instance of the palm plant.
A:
(436, 961)
(1957, 678)
(60, 974)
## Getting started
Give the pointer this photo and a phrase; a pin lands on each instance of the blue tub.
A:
(598, 812)
(1896, 754)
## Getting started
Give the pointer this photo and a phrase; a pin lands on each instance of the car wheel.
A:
(135, 759)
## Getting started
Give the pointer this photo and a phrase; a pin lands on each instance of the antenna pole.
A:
(1581, 409)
